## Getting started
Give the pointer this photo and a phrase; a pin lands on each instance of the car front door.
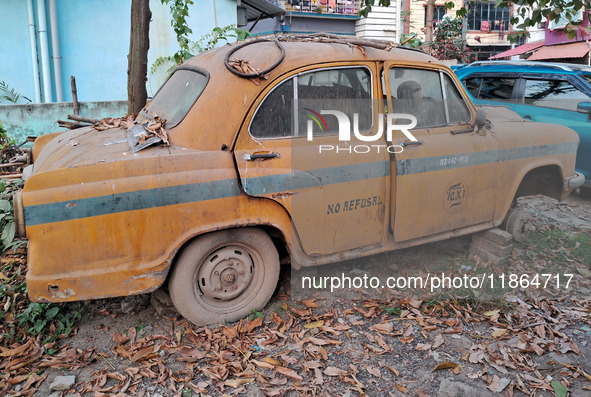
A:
(446, 179)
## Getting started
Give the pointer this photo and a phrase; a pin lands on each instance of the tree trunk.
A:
(137, 59)
(429, 25)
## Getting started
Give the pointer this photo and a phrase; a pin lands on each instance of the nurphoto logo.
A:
(344, 125)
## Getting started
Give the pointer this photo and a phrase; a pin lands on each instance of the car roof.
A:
(302, 51)
(522, 67)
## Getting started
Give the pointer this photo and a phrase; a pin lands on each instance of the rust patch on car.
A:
(281, 196)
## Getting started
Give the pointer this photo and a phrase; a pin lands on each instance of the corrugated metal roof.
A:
(571, 50)
(260, 8)
(522, 49)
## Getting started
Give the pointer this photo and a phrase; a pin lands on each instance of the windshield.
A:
(175, 98)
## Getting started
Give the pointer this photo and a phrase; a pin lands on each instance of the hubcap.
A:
(225, 274)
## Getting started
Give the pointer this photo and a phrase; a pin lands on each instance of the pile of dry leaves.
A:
(532, 346)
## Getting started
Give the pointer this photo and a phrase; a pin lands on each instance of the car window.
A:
(418, 92)
(587, 77)
(491, 88)
(347, 90)
(175, 98)
(553, 94)
(457, 108)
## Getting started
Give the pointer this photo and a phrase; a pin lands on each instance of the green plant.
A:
(411, 40)
(7, 225)
(179, 12)
(9, 94)
(49, 320)
(140, 325)
(393, 311)
(205, 43)
(448, 42)
(254, 314)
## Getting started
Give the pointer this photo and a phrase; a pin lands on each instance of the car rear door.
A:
(336, 196)
(554, 99)
(447, 179)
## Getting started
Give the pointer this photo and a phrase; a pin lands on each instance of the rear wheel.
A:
(223, 275)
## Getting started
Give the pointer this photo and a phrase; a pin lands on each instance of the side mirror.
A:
(584, 107)
(481, 117)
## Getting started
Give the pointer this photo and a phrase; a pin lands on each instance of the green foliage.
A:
(49, 320)
(22, 318)
(140, 325)
(210, 40)
(205, 43)
(393, 311)
(530, 14)
(448, 42)
(179, 11)
(254, 314)
(9, 94)
(567, 246)
(7, 225)
(409, 40)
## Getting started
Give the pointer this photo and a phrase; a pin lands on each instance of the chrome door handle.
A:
(251, 157)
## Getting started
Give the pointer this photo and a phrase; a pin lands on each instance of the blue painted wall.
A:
(94, 41)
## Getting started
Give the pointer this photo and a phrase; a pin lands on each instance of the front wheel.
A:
(222, 276)
(519, 223)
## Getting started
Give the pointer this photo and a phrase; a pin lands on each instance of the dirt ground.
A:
(528, 341)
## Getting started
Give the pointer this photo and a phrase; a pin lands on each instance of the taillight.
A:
(19, 214)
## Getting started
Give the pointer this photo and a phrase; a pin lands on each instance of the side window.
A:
(344, 89)
(274, 118)
(418, 92)
(553, 94)
(491, 88)
(473, 86)
(457, 109)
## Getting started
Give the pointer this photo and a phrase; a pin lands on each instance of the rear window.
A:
(175, 98)
(491, 88)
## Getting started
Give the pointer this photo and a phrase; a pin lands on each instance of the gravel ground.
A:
(359, 342)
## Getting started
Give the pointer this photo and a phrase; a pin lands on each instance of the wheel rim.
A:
(226, 274)
(519, 224)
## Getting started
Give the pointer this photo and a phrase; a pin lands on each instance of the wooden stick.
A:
(89, 120)
(75, 103)
(70, 125)
(7, 165)
(11, 176)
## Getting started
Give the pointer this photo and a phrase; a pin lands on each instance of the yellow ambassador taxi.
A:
(294, 150)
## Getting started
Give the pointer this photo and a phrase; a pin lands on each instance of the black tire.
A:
(222, 276)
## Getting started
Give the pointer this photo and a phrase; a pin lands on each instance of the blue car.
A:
(539, 91)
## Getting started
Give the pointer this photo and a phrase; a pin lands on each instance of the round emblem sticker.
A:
(455, 195)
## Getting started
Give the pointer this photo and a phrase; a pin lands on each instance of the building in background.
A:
(337, 17)
(487, 25)
(44, 42)
(549, 41)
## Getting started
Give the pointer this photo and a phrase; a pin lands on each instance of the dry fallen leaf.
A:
(333, 371)
(445, 365)
(238, 382)
(272, 361)
(315, 324)
(290, 373)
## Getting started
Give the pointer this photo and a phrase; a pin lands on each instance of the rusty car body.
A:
(242, 188)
